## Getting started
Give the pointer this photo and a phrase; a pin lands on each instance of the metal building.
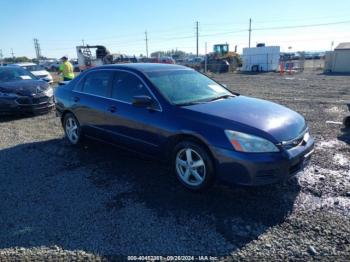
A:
(338, 61)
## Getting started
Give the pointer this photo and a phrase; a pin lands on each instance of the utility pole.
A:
(197, 35)
(1, 56)
(82, 40)
(13, 55)
(146, 39)
(250, 30)
(206, 59)
(37, 49)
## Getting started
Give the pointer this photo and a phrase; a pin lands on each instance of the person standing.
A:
(66, 69)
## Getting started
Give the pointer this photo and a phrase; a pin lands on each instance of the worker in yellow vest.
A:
(66, 68)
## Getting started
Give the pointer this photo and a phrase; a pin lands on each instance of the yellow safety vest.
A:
(67, 70)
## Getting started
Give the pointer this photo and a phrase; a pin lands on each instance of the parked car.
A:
(207, 132)
(75, 65)
(166, 60)
(53, 67)
(23, 92)
(346, 120)
(36, 70)
(161, 60)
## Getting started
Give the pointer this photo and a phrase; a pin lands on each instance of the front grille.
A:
(24, 101)
(295, 142)
(40, 100)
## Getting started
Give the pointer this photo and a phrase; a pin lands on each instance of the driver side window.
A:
(126, 86)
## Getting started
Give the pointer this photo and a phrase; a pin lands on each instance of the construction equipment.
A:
(221, 60)
(96, 55)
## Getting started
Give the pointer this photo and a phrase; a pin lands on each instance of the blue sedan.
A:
(204, 131)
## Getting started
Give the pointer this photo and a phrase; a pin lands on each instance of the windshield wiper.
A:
(220, 97)
(191, 103)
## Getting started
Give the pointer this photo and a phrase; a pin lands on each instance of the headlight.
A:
(248, 143)
(7, 95)
(49, 92)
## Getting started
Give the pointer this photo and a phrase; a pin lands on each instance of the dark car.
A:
(22, 92)
(207, 132)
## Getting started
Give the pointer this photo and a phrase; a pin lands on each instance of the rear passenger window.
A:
(96, 83)
(126, 86)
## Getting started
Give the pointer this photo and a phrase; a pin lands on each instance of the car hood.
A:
(24, 88)
(278, 121)
(40, 73)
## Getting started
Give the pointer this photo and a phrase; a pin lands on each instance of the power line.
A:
(301, 26)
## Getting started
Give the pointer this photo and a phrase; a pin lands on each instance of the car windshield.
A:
(15, 74)
(33, 67)
(186, 86)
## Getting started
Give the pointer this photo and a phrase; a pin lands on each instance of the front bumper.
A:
(35, 105)
(261, 168)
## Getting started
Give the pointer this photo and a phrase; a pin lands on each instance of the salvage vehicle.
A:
(206, 132)
(23, 92)
(36, 70)
(346, 120)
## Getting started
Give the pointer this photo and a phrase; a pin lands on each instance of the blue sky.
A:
(120, 25)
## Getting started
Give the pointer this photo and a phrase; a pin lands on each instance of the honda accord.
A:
(206, 132)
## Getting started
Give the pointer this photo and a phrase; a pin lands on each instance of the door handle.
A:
(112, 109)
(76, 99)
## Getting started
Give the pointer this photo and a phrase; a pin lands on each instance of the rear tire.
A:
(193, 166)
(72, 129)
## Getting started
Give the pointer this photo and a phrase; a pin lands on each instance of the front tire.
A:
(193, 166)
(346, 121)
(72, 129)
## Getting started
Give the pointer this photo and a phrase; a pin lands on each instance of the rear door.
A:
(90, 101)
(134, 127)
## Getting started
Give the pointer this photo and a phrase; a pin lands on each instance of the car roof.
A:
(144, 67)
(10, 67)
(23, 64)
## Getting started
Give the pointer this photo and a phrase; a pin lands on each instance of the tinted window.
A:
(126, 86)
(96, 83)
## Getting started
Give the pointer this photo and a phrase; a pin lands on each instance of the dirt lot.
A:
(95, 202)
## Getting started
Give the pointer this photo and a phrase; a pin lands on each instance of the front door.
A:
(136, 128)
(90, 102)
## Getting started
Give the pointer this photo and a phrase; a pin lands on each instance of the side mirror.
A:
(142, 101)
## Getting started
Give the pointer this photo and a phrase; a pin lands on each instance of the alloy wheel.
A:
(190, 167)
(71, 128)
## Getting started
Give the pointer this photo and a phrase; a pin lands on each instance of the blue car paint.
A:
(152, 131)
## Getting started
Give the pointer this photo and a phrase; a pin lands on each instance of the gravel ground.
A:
(95, 202)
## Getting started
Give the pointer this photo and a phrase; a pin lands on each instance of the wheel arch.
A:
(175, 139)
(64, 113)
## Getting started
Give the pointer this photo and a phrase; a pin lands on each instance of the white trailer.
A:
(261, 59)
